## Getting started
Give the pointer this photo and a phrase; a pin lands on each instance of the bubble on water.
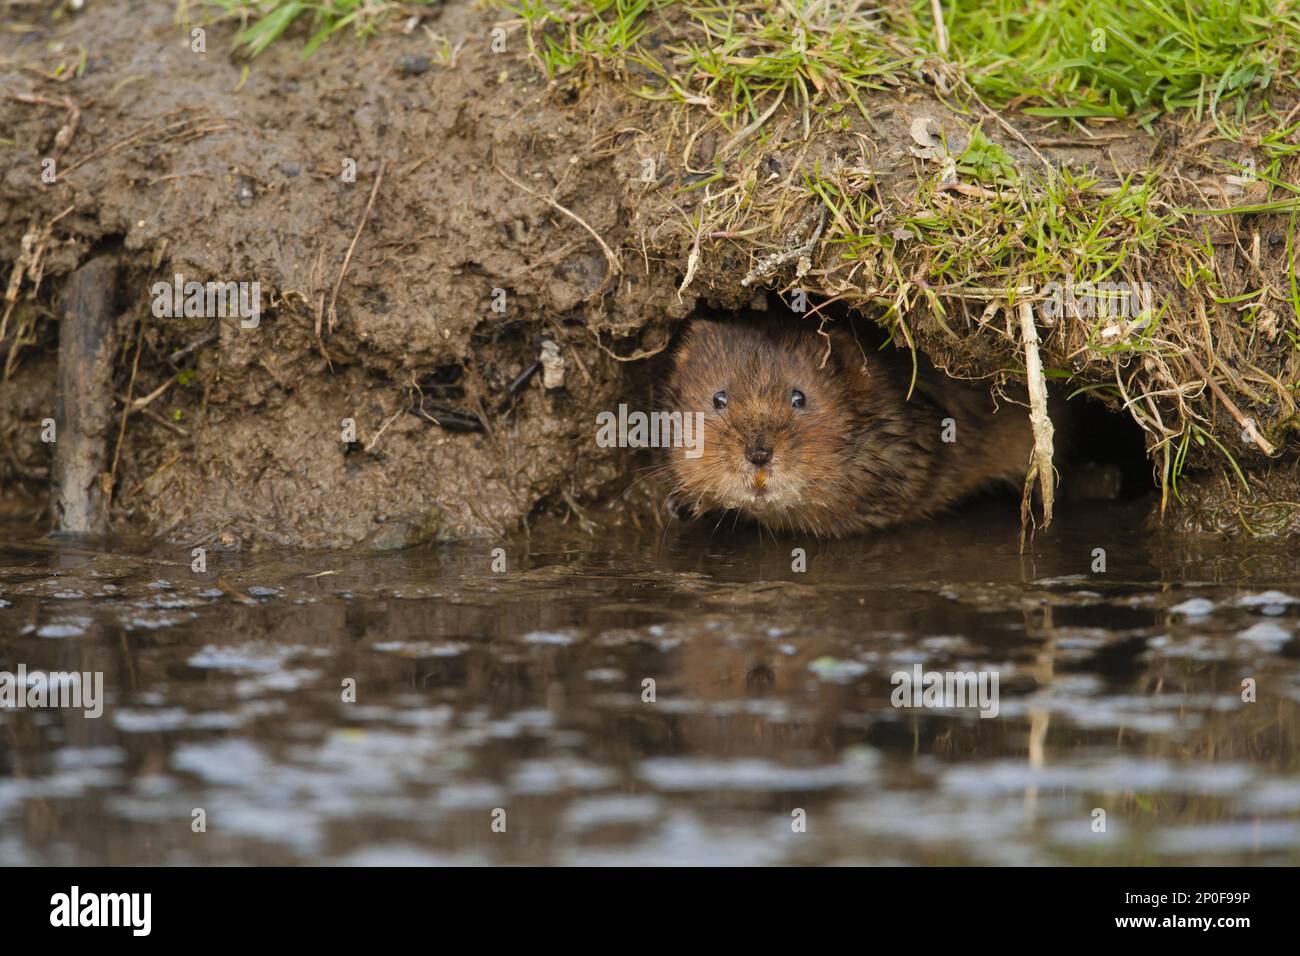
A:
(470, 796)
(1274, 796)
(258, 590)
(1081, 638)
(558, 638)
(1194, 607)
(604, 675)
(242, 815)
(281, 681)
(171, 602)
(1267, 634)
(423, 716)
(1198, 647)
(64, 627)
(837, 671)
(233, 762)
(558, 774)
(1272, 603)
(699, 773)
(172, 718)
(404, 855)
(144, 622)
(418, 649)
(254, 656)
(516, 724)
(1079, 833)
(70, 757)
(1120, 774)
(590, 813)
(1247, 837)
(943, 642)
(69, 595)
(683, 839)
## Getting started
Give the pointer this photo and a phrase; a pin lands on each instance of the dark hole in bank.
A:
(1101, 453)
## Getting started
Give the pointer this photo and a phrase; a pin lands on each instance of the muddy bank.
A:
(181, 174)
(494, 212)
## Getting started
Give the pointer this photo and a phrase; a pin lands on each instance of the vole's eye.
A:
(797, 399)
(719, 400)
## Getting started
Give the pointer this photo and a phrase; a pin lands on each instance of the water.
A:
(518, 698)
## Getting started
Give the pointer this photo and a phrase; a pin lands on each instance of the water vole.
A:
(813, 433)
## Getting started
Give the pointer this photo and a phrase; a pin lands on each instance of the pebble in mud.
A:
(413, 64)
(245, 191)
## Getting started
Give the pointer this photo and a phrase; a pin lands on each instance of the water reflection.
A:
(527, 692)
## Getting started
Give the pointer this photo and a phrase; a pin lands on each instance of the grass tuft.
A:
(263, 22)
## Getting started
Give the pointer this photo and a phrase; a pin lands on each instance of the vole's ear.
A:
(845, 352)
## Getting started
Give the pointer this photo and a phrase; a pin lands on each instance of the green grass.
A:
(1080, 58)
(1024, 234)
(1062, 58)
(735, 58)
(265, 21)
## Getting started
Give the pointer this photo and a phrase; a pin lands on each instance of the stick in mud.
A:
(87, 344)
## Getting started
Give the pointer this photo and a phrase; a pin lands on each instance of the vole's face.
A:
(774, 421)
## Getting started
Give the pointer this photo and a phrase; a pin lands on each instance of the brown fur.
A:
(857, 456)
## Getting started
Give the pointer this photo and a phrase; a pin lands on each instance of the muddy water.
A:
(520, 697)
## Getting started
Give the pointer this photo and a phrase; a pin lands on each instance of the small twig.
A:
(140, 403)
(752, 128)
(153, 416)
(1248, 427)
(615, 268)
(692, 263)
(198, 343)
(28, 265)
(63, 138)
(157, 471)
(968, 189)
(365, 217)
(1040, 465)
(383, 428)
(770, 264)
(940, 30)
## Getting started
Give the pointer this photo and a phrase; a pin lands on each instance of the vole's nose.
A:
(758, 454)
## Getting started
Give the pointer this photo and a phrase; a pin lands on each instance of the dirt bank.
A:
(494, 212)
